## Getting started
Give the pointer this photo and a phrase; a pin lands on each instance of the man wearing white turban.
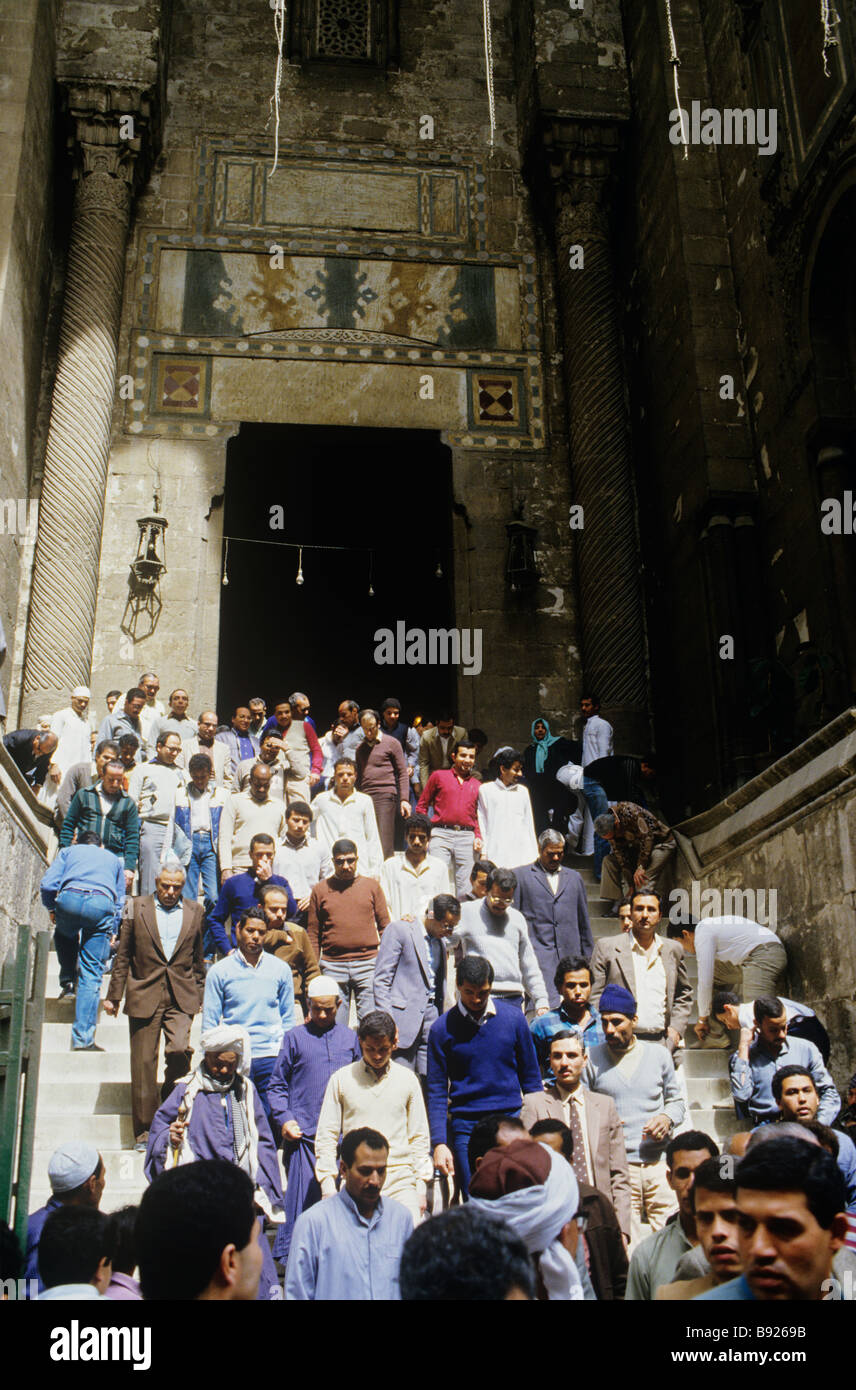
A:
(215, 1112)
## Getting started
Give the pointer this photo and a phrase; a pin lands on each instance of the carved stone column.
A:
(608, 556)
(71, 509)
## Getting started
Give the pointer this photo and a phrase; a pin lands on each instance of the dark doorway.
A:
(386, 496)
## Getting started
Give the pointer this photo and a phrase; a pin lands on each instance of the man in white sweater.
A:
(249, 813)
(494, 929)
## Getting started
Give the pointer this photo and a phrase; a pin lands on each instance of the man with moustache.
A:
(410, 977)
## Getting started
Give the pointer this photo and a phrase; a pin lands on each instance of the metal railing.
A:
(22, 1006)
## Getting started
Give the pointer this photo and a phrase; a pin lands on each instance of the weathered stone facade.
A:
(564, 308)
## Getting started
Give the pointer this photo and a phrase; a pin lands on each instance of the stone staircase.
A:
(87, 1095)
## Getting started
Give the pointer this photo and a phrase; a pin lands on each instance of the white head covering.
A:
(229, 1037)
(537, 1214)
(71, 1165)
(323, 987)
(81, 692)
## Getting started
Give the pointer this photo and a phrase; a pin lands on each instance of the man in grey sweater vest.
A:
(640, 1078)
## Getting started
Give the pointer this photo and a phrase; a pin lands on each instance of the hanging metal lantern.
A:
(521, 571)
(144, 601)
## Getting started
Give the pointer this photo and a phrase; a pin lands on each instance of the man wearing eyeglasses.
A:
(347, 913)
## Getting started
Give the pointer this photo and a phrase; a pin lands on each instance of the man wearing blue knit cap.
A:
(640, 1078)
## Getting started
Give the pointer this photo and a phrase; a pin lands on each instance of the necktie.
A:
(579, 1157)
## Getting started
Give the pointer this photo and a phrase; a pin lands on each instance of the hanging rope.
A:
(830, 21)
(278, 7)
(488, 62)
(676, 63)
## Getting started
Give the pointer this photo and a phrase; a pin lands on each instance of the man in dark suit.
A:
(651, 967)
(161, 961)
(599, 1156)
(410, 977)
(553, 901)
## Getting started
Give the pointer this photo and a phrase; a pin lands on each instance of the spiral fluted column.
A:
(71, 509)
(609, 562)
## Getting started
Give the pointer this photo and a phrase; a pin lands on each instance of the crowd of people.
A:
(509, 1116)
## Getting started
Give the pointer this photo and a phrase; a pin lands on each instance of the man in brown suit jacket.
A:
(601, 1159)
(651, 968)
(161, 961)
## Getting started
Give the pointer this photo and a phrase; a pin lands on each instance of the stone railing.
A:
(27, 845)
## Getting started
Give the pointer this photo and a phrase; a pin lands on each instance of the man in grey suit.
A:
(436, 746)
(410, 977)
(553, 901)
(600, 1157)
(651, 968)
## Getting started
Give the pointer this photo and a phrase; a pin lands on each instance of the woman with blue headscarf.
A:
(551, 802)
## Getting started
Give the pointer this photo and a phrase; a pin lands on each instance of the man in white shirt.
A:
(597, 733)
(73, 729)
(505, 815)
(154, 709)
(299, 859)
(198, 808)
(411, 880)
(728, 951)
(346, 814)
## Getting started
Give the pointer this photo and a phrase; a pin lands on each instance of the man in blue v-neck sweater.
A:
(481, 1061)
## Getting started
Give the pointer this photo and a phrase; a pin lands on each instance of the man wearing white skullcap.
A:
(308, 1057)
(73, 728)
(76, 1174)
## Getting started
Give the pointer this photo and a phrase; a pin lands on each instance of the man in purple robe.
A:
(215, 1112)
(307, 1059)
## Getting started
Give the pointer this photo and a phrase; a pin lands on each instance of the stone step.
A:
(83, 1098)
(708, 1090)
(110, 1131)
(719, 1123)
(704, 1062)
(110, 1033)
(84, 1066)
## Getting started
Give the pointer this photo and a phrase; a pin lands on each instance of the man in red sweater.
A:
(455, 832)
(347, 913)
(382, 775)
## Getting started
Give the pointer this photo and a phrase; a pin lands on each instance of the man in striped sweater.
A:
(640, 1078)
(113, 816)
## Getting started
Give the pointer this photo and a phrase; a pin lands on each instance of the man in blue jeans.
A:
(84, 892)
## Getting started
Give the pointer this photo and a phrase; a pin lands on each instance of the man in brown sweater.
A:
(347, 913)
(382, 774)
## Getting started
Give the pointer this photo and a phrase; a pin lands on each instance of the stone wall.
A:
(27, 844)
(792, 831)
(350, 153)
(27, 54)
